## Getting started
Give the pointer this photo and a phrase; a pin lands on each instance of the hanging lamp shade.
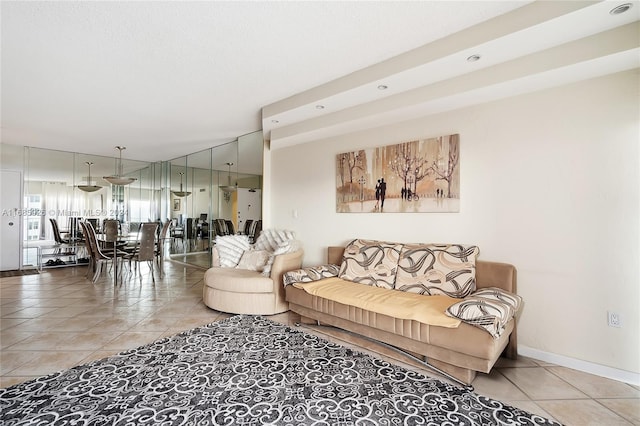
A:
(228, 187)
(118, 179)
(181, 193)
(88, 187)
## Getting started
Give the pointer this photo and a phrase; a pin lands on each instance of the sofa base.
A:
(459, 375)
(243, 303)
(434, 356)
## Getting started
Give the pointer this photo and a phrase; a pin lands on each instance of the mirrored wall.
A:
(193, 192)
(219, 185)
(65, 187)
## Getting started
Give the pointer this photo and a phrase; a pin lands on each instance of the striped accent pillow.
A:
(287, 246)
(270, 239)
(230, 249)
(489, 308)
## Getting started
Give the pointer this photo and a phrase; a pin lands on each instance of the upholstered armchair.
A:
(247, 279)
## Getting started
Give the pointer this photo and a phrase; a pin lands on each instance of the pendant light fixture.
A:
(228, 187)
(118, 179)
(181, 193)
(88, 187)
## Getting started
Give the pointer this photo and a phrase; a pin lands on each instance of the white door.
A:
(249, 206)
(11, 222)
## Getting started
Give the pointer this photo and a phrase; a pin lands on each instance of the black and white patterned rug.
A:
(248, 370)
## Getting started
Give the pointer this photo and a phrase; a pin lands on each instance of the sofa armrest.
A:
(334, 254)
(496, 274)
(284, 263)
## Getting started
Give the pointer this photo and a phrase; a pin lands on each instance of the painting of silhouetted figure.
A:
(417, 176)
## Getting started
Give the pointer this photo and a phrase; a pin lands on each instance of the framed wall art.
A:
(418, 176)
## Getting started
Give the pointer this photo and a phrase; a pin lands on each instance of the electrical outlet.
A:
(614, 319)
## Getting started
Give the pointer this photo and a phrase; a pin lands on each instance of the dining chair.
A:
(230, 228)
(256, 229)
(89, 248)
(112, 244)
(145, 248)
(190, 232)
(111, 229)
(160, 247)
(177, 233)
(246, 230)
(220, 227)
(100, 257)
(95, 223)
(57, 236)
(75, 233)
(202, 231)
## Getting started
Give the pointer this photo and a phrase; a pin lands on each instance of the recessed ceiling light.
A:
(383, 87)
(473, 58)
(620, 9)
(319, 106)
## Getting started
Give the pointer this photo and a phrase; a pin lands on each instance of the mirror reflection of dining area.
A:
(71, 201)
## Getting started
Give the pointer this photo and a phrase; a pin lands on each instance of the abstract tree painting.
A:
(416, 176)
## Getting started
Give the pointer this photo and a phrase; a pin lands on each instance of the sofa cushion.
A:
(437, 269)
(397, 304)
(370, 262)
(230, 249)
(490, 309)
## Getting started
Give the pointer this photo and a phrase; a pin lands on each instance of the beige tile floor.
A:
(58, 319)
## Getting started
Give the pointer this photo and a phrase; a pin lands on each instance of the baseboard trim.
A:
(584, 366)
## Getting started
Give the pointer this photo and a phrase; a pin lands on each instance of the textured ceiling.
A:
(166, 79)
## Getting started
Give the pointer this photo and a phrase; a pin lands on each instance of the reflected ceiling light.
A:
(181, 193)
(118, 179)
(620, 9)
(228, 187)
(88, 187)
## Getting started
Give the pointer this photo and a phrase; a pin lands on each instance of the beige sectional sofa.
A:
(459, 351)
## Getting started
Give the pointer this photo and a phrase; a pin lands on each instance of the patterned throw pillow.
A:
(437, 269)
(310, 274)
(230, 249)
(490, 309)
(370, 262)
(253, 260)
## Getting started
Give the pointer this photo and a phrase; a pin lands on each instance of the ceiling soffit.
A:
(538, 46)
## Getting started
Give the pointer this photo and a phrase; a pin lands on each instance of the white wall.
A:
(549, 182)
